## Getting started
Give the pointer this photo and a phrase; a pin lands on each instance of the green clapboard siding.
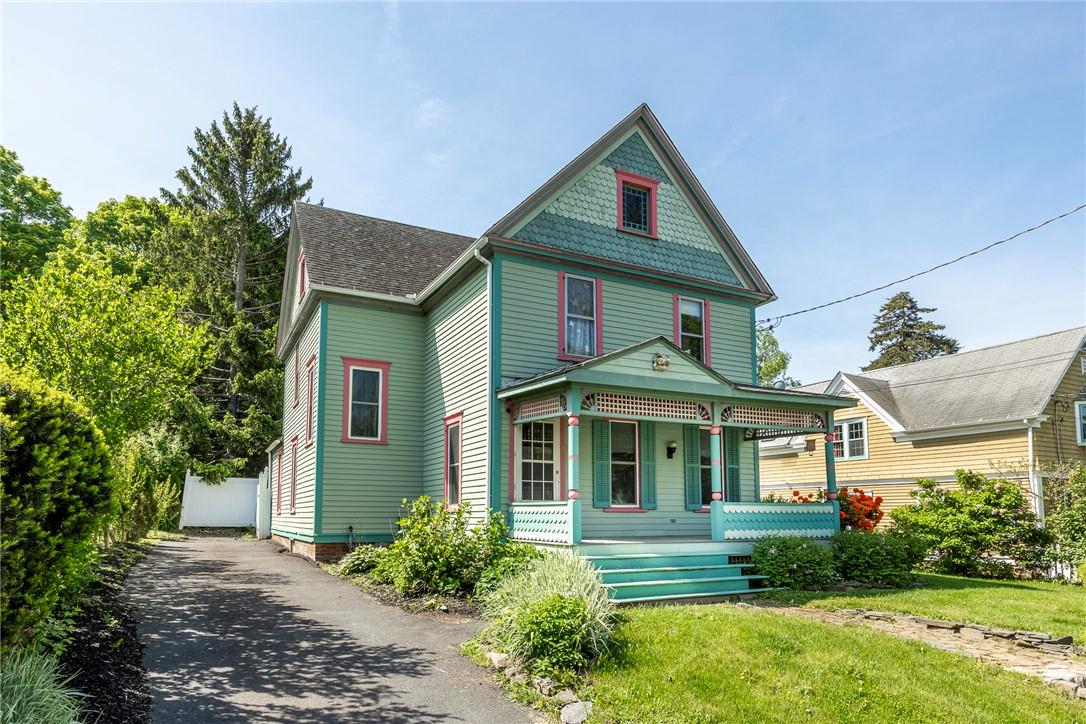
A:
(632, 311)
(364, 484)
(301, 520)
(456, 382)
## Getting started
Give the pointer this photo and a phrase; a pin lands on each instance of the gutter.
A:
(1036, 486)
(490, 387)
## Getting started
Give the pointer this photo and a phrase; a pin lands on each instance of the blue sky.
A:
(846, 144)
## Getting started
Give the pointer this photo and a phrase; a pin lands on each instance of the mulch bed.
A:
(105, 656)
(429, 604)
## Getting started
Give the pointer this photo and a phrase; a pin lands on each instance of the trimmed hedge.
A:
(793, 562)
(876, 557)
(54, 496)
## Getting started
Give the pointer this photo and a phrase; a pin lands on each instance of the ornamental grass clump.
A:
(555, 616)
(793, 562)
(33, 692)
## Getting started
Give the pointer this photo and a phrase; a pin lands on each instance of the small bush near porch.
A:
(1054, 608)
(719, 663)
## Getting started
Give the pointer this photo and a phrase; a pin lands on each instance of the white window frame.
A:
(595, 318)
(704, 341)
(843, 424)
(310, 401)
(637, 463)
(519, 459)
(1080, 410)
(351, 403)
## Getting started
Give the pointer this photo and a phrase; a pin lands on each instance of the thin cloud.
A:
(431, 113)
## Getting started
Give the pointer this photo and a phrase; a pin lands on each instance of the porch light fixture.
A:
(672, 448)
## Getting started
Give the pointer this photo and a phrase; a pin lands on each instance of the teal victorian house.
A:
(586, 366)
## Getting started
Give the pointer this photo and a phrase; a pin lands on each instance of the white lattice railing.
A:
(749, 521)
(540, 522)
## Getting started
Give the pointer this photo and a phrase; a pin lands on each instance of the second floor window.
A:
(581, 317)
(850, 439)
(365, 413)
(692, 334)
(310, 398)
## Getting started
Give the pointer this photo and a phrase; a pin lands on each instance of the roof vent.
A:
(779, 385)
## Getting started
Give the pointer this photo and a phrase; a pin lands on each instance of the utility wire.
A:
(1027, 362)
(774, 321)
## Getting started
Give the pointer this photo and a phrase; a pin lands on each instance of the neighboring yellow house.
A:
(1013, 410)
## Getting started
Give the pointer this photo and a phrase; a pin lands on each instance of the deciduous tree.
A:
(772, 361)
(32, 218)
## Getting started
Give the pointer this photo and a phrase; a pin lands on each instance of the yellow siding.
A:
(1055, 441)
(891, 468)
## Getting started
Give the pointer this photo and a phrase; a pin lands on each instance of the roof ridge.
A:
(872, 373)
(387, 221)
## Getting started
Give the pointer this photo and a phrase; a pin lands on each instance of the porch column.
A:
(716, 507)
(573, 465)
(831, 473)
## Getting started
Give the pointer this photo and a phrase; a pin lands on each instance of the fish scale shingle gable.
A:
(352, 251)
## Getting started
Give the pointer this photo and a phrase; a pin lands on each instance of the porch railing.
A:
(541, 522)
(747, 521)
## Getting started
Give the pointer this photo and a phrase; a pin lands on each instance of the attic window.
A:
(636, 203)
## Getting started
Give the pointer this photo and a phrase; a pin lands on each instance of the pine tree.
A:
(901, 334)
(237, 193)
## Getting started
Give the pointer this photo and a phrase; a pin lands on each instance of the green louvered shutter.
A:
(601, 464)
(692, 465)
(731, 457)
(648, 465)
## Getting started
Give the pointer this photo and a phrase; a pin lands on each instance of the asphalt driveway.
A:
(236, 631)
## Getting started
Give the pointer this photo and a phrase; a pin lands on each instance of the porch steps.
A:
(636, 572)
(683, 597)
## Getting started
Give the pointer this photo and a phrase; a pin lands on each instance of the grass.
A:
(723, 664)
(1052, 608)
(153, 536)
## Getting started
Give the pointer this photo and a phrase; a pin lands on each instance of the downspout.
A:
(1035, 488)
(489, 374)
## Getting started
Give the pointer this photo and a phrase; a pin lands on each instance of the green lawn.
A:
(1052, 608)
(726, 664)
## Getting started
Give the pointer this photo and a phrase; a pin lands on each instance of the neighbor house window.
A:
(310, 395)
(636, 203)
(624, 464)
(579, 335)
(365, 400)
(692, 327)
(850, 439)
(293, 472)
(453, 457)
(538, 453)
(1080, 421)
(706, 466)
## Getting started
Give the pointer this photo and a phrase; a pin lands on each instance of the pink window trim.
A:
(301, 276)
(707, 346)
(310, 391)
(279, 483)
(293, 473)
(455, 419)
(559, 460)
(642, 182)
(382, 424)
(562, 355)
(636, 508)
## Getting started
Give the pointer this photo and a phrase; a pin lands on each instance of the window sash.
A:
(639, 196)
(850, 439)
(293, 473)
(584, 335)
(310, 413)
(626, 468)
(705, 439)
(362, 405)
(1080, 419)
(537, 464)
(453, 461)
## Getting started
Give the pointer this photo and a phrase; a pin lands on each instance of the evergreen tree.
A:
(901, 334)
(237, 193)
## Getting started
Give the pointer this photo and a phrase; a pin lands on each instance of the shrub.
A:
(510, 560)
(32, 692)
(167, 497)
(54, 496)
(859, 511)
(520, 612)
(880, 558)
(362, 559)
(1067, 519)
(793, 562)
(962, 529)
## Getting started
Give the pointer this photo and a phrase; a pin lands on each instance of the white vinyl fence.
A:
(230, 504)
(263, 505)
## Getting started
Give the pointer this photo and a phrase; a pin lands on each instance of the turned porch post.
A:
(831, 473)
(573, 465)
(716, 507)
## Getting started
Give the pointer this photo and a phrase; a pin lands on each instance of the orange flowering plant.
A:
(859, 511)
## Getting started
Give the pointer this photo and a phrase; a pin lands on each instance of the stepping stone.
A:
(936, 623)
(968, 632)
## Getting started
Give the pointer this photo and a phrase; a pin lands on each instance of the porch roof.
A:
(633, 367)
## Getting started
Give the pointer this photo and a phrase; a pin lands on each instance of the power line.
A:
(774, 321)
(1045, 359)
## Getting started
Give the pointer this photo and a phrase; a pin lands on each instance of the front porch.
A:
(670, 465)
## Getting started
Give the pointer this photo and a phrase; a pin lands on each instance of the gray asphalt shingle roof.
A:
(1004, 382)
(352, 251)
